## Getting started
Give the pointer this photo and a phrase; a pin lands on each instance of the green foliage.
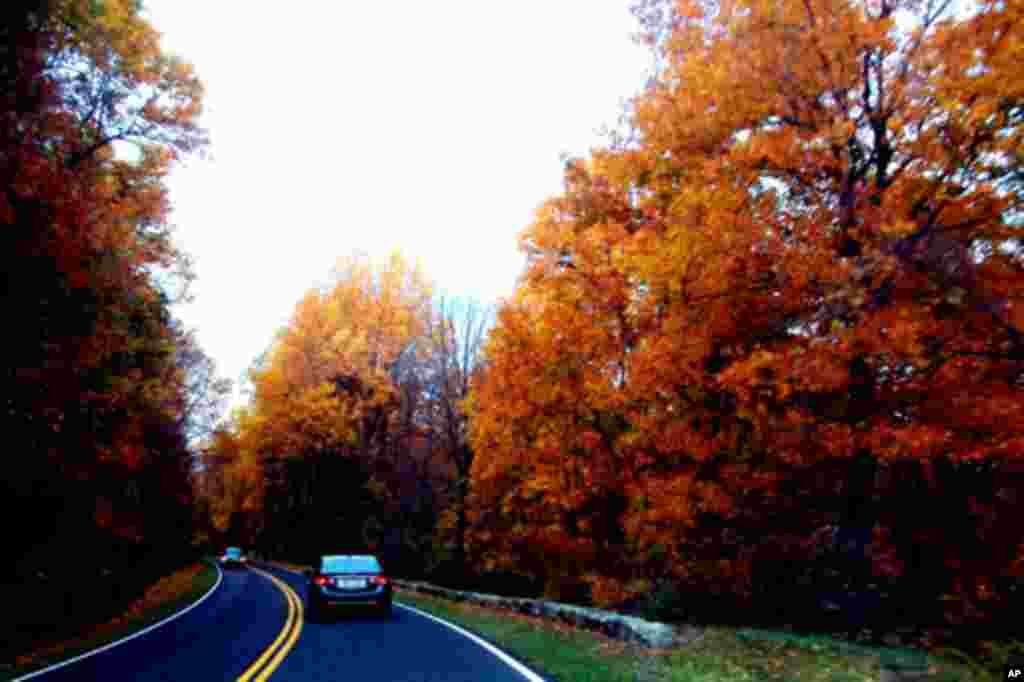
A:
(666, 602)
(989, 662)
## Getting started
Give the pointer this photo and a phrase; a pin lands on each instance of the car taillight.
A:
(379, 580)
(321, 580)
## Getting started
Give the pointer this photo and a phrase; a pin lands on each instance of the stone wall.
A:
(627, 628)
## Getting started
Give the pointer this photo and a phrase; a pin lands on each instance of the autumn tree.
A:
(331, 399)
(230, 483)
(93, 395)
(452, 359)
(781, 305)
(546, 489)
(356, 423)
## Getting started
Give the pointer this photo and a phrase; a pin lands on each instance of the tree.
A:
(230, 484)
(454, 343)
(206, 392)
(331, 399)
(795, 276)
(92, 394)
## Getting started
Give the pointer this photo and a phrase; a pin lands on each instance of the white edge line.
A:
(505, 658)
(111, 645)
(511, 662)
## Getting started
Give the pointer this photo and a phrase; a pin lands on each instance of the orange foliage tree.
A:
(788, 298)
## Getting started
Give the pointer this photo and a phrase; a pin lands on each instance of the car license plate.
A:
(350, 584)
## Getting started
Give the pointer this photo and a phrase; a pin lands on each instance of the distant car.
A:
(347, 579)
(233, 558)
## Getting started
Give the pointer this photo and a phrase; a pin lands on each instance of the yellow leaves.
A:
(358, 326)
(898, 228)
(330, 366)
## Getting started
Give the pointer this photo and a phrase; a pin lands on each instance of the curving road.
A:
(251, 629)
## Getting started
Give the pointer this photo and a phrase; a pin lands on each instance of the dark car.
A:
(233, 558)
(347, 579)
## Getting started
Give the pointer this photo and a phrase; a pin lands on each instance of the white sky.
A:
(431, 126)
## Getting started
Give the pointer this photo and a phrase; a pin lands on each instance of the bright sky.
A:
(434, 127)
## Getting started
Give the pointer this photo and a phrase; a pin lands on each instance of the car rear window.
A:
(350, 564)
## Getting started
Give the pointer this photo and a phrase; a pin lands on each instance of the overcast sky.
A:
(434, 127)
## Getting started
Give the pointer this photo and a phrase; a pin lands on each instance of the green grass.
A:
(200, 585)
(559, 652)
(721, 654)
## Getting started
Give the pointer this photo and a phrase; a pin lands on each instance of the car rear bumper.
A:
(353, 602)
(328, 597)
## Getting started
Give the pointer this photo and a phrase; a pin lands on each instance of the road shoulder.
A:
(167, 600)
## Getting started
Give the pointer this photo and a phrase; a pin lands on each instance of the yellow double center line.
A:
(279, 648)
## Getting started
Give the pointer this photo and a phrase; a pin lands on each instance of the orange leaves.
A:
(673, 438)
(606, 591)
(807, 253)
(918, 442)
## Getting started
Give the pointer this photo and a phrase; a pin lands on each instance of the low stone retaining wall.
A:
(627, 628)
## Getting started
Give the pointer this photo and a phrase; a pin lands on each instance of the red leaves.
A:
(590, 440)
(102, 398)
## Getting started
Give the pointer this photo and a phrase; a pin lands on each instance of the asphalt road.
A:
(249, 629)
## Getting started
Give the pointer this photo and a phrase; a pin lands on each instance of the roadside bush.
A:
(665, 602)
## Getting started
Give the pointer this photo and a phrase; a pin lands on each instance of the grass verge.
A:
(165, 597)
(721, 654)
(558, 651)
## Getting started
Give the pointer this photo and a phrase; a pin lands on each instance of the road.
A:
(251, 630)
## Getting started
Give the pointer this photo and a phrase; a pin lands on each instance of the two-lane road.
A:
(407, 647)
(250, 629)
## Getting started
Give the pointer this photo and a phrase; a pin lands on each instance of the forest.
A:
(764, 364)
(104, 390)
